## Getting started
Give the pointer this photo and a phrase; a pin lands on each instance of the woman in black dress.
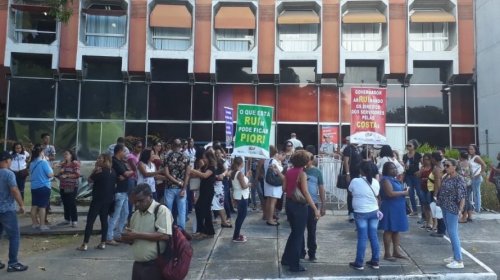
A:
(103, 191)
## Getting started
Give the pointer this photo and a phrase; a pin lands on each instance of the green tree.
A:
(61, 9)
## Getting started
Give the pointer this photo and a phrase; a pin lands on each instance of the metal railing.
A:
(330, 167)
(33, 36)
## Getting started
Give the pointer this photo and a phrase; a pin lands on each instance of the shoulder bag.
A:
(297, 195)
(272, 178)
(380, 215)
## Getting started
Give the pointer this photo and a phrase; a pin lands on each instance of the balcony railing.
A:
(359, 44)
(429, 44)
(33, 36)
(106, 40)
(173, 43)
(235, 44)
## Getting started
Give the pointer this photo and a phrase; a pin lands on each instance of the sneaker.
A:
(17, 267)
(313, 259)
(112, 243)
(356, 266)
(101, 246)
(449, 260)
(373, 264)
(74, 224)
(2, 265)
(455, 264)
(44, 228)
(240, 239)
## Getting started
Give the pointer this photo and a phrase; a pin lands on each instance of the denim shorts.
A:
(40, 197)
(426, 197)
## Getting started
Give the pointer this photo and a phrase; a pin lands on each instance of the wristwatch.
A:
(348, 173)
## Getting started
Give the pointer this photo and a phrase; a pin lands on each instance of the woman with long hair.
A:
(412, 161)
(205, 227)
(433, 185)
(296, 211)
(365, 191)
(41, 174)
(68, 176)
(393, 207)
(387, 154)
(272, 193)
(104, 178)
(241, 192)
(147, 171)
(465, 171)
(220, 196)
(156, 159)
(478, 169)
(19, 165)
(451, 199)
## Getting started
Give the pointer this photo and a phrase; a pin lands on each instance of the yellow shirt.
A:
(145, 250)
(430, 182)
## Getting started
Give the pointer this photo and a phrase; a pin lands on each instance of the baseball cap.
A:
(5, 155)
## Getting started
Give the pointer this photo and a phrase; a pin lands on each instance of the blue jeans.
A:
(476, 192)
(367, 224)
(451, 221)
(297, 217)
(414, 183)
(118, 220)
(170, 196)
(242, 214)
(8, 222)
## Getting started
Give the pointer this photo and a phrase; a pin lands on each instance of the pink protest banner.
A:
(330, 130)
(368, 108)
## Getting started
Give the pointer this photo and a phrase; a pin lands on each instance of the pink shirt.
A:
(291, 180)
(135, 160)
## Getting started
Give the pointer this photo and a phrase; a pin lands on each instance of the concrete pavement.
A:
(259, 258)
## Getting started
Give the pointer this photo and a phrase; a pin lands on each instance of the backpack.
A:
(174, 262)
(272, 178)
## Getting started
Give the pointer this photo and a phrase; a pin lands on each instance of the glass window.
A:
(235, 40)
(102, 100)
(202, 102)
(298, 103)
(220, 132)
(95, 137)
(298, 37)
(31, 65)
(266, 95)
(67, 99)
(65, 138)
(202, 133)
(462, 137)
(169, 101)
(429, 37)
(169, 38)
(135, 130)
(395, 104)
(137, 99)
(297, 71)
(169, 70)
(105, 31)
(34, 27)
(362, 36)
(168, 131)
(307, 134)
(429, 72)
(28, 132)
(427, 104)
(363, 72)
(329, 104)
(234, 71)
(345, 99)
(102, 68)
(435, 136)
(31, 98)
(230, 96)
(462, 105)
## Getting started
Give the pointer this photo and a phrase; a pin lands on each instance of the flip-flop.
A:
(391, 259)
(400, 257)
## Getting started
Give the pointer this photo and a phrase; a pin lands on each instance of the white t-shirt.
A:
(148, 180)
(363, 200)
(19, 161)
(296, 143)
(239, 192)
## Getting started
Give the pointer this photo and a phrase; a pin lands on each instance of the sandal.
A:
(391, 259)
(271, 224)
(83, 247)
(400, 257)
(228, 225)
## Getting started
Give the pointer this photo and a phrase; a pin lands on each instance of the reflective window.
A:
(102, 68)
(307, 134)
(435, 136)
(429, 72)
(65, 138)
(462, 137)
(105, 26)
(234, 71)
(169, 101)
(168, 131)
(135, 130)
(429, 36)
(202, 132)
(67, 99)
(266, 95)
(297, 71)
(169, 38)
(345, 99)
(230, 96)
(395, 104)
(362, 36)
(31, 98)
(28, 131)
(234, 40)
(102, 100)
(329, 104)
(137, 99)
(169, 70)
(31, 65)
(298, 37)
(462, 105)
(298, 103)
(95, 137)
(427, 104)
(34, 27)
(363, 72)
(202, 102)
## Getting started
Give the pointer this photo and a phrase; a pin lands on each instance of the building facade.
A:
(168, 68)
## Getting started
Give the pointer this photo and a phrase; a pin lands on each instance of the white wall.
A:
(488, 74)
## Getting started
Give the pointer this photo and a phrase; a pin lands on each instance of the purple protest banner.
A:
(228, 116)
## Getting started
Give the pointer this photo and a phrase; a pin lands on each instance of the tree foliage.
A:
(61, 10)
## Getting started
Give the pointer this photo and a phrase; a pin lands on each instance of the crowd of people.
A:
(183, 178)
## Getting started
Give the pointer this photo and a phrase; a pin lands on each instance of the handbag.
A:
(297, 195)
(272, 178)
(380, 215)
(491, 177)
(23, 173)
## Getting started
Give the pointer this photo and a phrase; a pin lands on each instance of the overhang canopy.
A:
(235, 18)
(30, 8)
(166, 15)
(364, 16)
(431, 16)
(298, 17)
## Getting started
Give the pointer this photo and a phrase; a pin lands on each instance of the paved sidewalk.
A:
(219, 258)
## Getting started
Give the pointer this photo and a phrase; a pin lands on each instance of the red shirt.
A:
(291, 177)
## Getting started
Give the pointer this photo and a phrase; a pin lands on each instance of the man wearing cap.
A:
(8, 218)
(328, 148)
